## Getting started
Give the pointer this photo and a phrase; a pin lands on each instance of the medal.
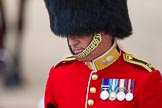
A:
(104, 87)
(104, 95)
(113, 85)
(121, 94)
(112, 96)
(129, 95)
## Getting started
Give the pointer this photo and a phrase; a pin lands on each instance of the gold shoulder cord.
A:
(69, 58)
(93, 45)
(135, 60)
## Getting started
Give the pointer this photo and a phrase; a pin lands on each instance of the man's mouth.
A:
(77, 51)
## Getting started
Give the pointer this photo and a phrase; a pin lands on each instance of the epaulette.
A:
(65, 60)
(138, 61)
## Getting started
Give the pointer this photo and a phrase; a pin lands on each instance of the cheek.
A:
(86, 43)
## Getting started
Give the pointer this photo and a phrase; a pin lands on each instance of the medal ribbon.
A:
(110, 83)
(116, 85)
(121, 85)
(130, 86)
(113, 84)
(105, 85)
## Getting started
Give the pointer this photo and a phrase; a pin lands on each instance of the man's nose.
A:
(73, 40)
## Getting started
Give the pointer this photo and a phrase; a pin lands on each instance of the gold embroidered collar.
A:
(106, 59)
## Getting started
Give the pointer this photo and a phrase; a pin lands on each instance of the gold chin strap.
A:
(93, 45)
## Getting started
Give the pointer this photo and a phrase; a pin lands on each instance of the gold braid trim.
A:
(138, 61)
(93, 45)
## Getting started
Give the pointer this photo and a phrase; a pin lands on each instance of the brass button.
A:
(93, 90)
(90, 102)
(94, 77)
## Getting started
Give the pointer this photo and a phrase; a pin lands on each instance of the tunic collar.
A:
(106, 59)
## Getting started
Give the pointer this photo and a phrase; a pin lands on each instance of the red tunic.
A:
(74, 84)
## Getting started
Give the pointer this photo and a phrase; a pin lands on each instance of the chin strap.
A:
(93, 45)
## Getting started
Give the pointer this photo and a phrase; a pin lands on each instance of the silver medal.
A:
(121, 96)
(104, 95)
(129, 96)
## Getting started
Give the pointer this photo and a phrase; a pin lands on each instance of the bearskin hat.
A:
(83, 17)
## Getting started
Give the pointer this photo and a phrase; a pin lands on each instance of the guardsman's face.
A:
(79, 43)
